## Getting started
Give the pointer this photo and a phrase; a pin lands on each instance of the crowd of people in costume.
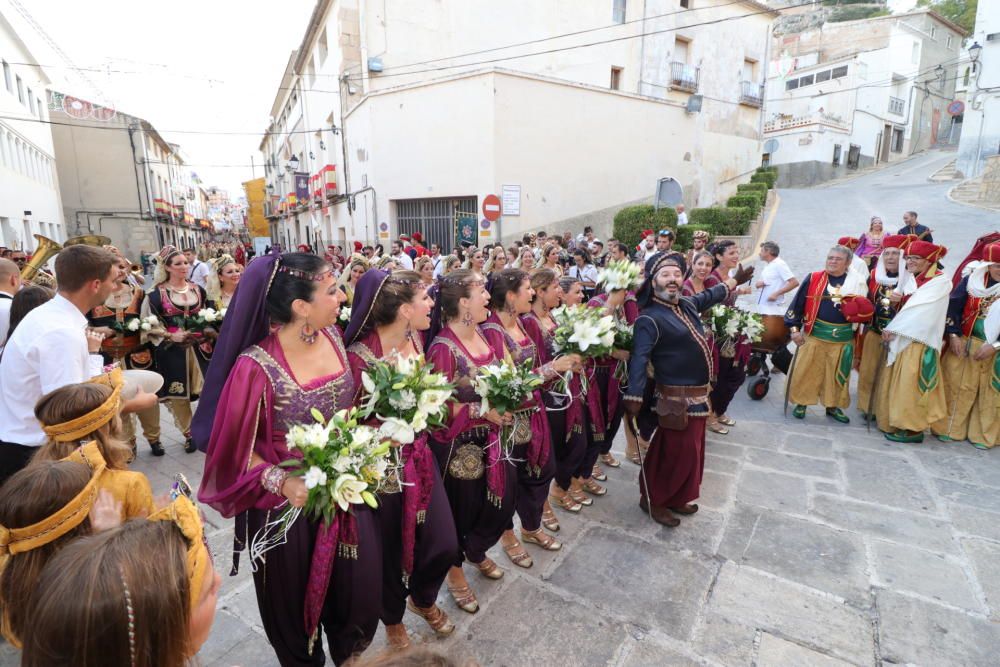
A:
(244, 356)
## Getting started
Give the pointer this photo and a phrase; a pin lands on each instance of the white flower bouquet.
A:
(345, 316)
(618, 275)
(342, 462)
(406, 395)
(135, 324)
(583, 330)
(505, 386)
(730, 325)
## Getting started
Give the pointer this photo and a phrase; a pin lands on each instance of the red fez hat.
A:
(303, 247)
(896, 241)
(417, 236)
(404, 237)
(849, 241)
(647, 232)
(991, 253)
(927, 250)
(357, 246)
(857, 309)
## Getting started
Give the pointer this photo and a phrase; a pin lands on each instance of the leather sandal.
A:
(464, 598)
(489, 569)
(435, 616)
(396, 635)
(593, 488)
(549, 519)
(610, 461)
(157, 448)
(716, 427)
(633, 457)
(566, 502)
(577, 494)
(727, 420)
(517, 554)
(598, 474)
(189, 447)
(541, 538)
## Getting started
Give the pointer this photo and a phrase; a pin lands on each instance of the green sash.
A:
(833, 333)
(845, 364)
(929, 371)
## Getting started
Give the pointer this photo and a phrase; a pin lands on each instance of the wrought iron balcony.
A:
(684, 77)
(897, 106)
(751, 94)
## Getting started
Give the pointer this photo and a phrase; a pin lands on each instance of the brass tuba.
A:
(46, 250)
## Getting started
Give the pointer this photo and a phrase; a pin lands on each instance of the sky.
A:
(205, 65)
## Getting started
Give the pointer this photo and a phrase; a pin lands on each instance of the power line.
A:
(159, 131)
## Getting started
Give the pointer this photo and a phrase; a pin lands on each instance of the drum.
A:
(775, 332)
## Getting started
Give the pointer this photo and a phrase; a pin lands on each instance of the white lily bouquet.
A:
(505, 387)
(207, 318)
(135, 324)
(345, 316)
(618, 275)
(342, 462)
(584, 331)
(729, 325)
(406, 395)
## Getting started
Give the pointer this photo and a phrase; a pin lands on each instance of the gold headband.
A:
(186, 517)
(84, 425)
(51, 528)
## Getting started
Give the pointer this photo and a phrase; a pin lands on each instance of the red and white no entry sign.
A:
(491, 208)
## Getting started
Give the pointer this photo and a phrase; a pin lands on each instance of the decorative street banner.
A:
(302, 187)
(256, 222)
(465, 227)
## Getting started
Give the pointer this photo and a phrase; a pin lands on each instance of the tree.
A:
(962, 12)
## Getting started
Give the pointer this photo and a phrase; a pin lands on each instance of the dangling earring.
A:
(509, 309)
(408, 333)
(467, 318)
(307, 334)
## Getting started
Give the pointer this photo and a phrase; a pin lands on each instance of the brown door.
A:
(886, 142)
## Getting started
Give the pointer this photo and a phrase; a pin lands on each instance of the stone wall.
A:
(812, 172)
(989, 189)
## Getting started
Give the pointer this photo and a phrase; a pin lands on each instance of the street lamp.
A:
(293, 164)
(974, 51)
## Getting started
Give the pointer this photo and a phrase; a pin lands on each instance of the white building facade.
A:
(395, 134)
(29, 186)
(981, 127)
(852, 94)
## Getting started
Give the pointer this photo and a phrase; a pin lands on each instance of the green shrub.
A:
(764, 177)
(722, 221)
(685, 233)
(631, 220)
(748, 200)
(752, 187)
(767, 170)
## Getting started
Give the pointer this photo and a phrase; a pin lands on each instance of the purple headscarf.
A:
(364, 293)
(246, 324)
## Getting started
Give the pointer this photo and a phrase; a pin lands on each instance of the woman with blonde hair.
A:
(142, 594)
(82, 423)
(497, 261)
(450, 263)
(475, 260)
(222, 280)
(424, 265)
(349, 279)
(526, 260)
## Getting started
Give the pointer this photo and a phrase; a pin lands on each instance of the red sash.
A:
(817, 288)
(970, 313)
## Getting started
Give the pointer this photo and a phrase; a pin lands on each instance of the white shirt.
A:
(404, 261)
(682, 218)
(588, 272)
(5, 300)
(47, 351)
(438, 265)
(199, 273)
(774, 276)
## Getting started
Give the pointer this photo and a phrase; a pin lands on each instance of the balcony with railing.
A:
(782, 123)
(684, 77)
(751, 94)
(897, 106)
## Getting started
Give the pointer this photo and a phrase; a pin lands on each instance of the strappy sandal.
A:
(489, 569)
(517, 554)
(716, 427)
(435, 616)
(633, 457)
(593, 488)
(610, 461)
(542, 539)
(727, 420)
(598, 474)
(579, 496)
(566, 502)
(549, 519)
(396, 635)
(464, 598)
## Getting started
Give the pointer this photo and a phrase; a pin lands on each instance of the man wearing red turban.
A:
(911, 396)
(970, 364)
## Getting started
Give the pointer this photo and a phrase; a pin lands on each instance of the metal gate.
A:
(434, 218)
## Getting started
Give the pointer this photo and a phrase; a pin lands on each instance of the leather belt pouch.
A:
(672, 412)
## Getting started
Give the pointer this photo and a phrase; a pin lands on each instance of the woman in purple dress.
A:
(419, 544)
(565, 413)
(479, 481)
(278, 357)
(510, 298)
